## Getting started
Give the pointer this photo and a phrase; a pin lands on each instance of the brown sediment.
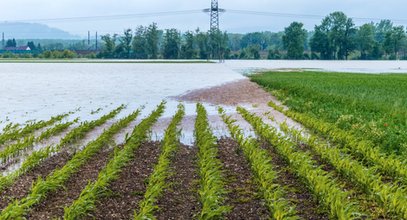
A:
(53, 206)
(306, 205)
(179, 200)
(128, 190)
(23, 184)
(242, 196)
(239, 92)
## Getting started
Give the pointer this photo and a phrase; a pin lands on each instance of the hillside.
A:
(32, 31)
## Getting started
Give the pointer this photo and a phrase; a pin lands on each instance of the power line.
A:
(306, 16)
(110, 17)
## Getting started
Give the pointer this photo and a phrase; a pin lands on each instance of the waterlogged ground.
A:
(40, 90)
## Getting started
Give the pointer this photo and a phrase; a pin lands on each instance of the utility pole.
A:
(96, 41)
(214, 26)
(88, 37)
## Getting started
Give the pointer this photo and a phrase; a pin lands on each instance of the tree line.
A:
(335, 38)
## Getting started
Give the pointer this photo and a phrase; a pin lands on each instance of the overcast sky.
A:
(43, 9)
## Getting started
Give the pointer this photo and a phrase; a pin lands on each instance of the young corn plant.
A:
(365, 150)
(18, 133)
(57, 179)
(212, 184)
(393, 198)
(83, 205)
(37, 157)
(319, 182)
(157, 180)
(14, 150)
(264, 174)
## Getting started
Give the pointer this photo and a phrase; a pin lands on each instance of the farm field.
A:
(216, 153)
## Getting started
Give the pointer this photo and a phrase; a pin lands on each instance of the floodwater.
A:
(40, 90)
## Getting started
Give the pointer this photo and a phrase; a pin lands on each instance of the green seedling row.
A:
(393, 198)
(365, 150)
(265, 176)
(37, 157)
(319, 182)
(18, 133)
(56, 180)
(212, 190)
(83, 205)
(13, 150)
(157, 181)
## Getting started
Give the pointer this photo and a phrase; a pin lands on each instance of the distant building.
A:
(17, 49)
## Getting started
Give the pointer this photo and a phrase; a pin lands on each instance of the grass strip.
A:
(212, 182)
(95, 190)
(319, 182)
(264, 174)
(56, 180)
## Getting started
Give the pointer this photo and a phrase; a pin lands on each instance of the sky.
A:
(37, 10)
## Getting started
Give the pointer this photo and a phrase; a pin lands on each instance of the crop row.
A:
(157, 181)
(95, 190)
(265, 176)
(392, 197)
(212, 183)
(37, 157)
(319, 182)
(56, 180)
(365, 150)
(17, 133)
(27, 143)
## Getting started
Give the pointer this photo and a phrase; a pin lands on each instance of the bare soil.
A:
(128, 190)
(22, 186)
(238, 92)
(179, 200)
(242, 195)
(53, 206)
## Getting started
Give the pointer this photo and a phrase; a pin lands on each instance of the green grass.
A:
(372, 107)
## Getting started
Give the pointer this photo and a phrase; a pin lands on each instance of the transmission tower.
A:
(214, 12)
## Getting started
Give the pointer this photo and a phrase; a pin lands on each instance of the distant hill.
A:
(32, 31)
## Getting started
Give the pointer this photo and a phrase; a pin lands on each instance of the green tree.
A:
(126, 44)
(335, 37)
(11, 43)
(394, 41)
(31, 45)
(139, 43)
(171, 44)
(152, 41)
(365, 40)
(109, 48)
(202, 41)
(187, 49)
(381, 29)
(294, 39)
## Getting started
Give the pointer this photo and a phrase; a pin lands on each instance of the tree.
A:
(202, 41)
(11, 43)
(152, 37)
(394, 40)
(187, 48)
(171, 44)
(125, 44)
(109, 48)
(294, 39)
(334, 38)
(381, 29)
(139, 43)
(365, 40)
(31, 45)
